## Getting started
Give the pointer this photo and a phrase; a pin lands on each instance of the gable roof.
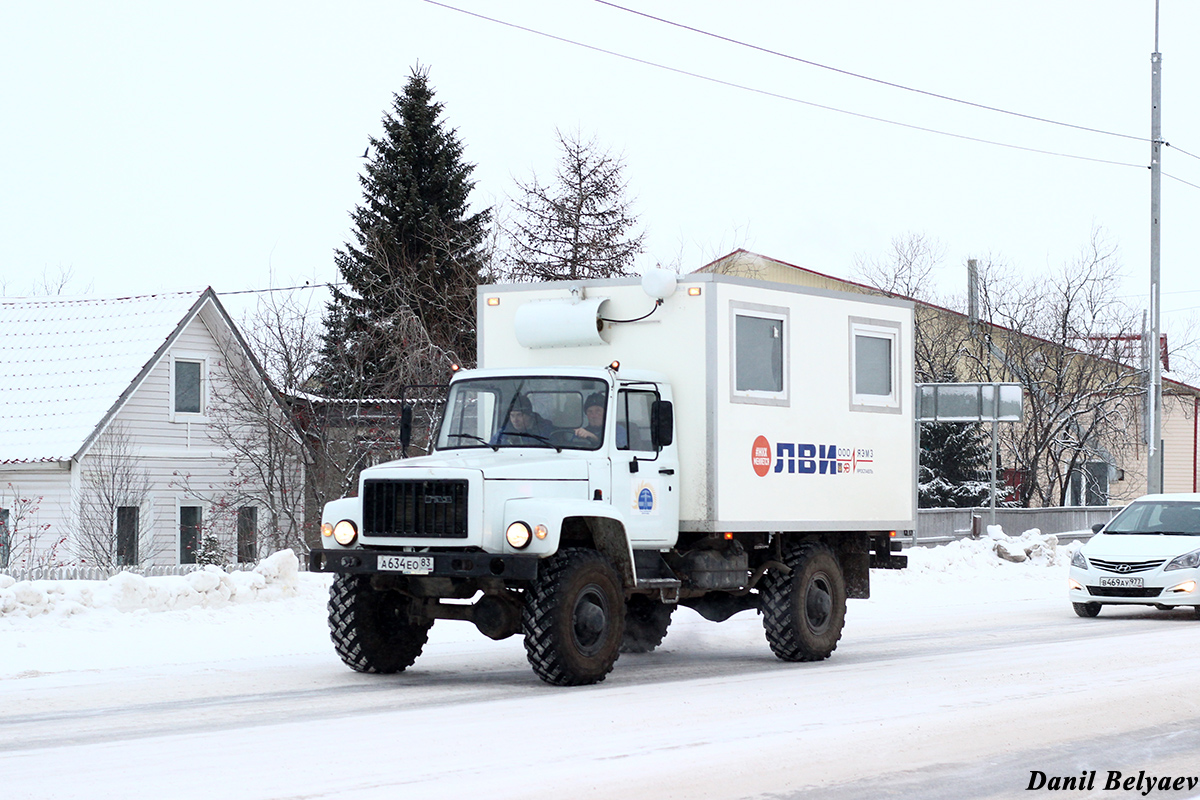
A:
(67, 365)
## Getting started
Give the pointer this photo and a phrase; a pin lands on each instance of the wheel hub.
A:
(589, 620)
(818, 604)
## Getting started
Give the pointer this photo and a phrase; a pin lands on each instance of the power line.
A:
(776, 95)
(1181, 180)
(1181, 150)
(328, 285)
(879, 81)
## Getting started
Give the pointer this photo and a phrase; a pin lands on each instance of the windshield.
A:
(1158, 517)
(565, 413)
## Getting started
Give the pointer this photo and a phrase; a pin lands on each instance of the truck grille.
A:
(417, 509)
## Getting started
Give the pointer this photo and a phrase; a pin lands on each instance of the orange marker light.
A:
(493, 301)
(693, 291)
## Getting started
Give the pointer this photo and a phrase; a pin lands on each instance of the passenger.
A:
(523, 425)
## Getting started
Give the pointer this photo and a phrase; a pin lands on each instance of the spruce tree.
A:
(415, 259)
(953, 466)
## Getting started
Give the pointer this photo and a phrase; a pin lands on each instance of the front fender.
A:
(337, 510)
(607, 526)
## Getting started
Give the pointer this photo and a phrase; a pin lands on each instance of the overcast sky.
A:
(150, 145)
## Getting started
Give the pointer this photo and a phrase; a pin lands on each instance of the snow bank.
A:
(278, 577)
(275, 578)
(996, 551)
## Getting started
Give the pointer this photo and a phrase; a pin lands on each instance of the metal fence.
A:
(104, 573)
(937, 525)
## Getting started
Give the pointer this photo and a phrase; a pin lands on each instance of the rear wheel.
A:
(1086, 609)
(803, 613)
(646, 623)
(574, 618)
(374, 631)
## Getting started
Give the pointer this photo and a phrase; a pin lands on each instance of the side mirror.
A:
(1099, 526)
(662, 424)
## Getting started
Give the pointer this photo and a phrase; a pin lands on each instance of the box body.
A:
(793, 406)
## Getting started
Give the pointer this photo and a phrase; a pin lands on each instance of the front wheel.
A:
(803, 613)
(1086, 609)
(574, 618)
(374, 631)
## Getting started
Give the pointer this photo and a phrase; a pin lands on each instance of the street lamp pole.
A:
(1154, 455)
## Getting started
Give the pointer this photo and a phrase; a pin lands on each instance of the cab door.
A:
(645, 479)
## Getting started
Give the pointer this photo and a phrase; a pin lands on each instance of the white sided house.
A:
(121, 438)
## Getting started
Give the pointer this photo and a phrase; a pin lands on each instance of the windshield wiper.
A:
(473, 436)
(540, 438)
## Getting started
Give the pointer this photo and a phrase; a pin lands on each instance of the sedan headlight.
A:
(1078, 560)
(345, 532)
(518, 535)
(1186, 561)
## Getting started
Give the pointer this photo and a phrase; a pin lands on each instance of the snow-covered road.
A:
(958, 679)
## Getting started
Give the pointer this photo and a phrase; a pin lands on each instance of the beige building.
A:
(1111, 469)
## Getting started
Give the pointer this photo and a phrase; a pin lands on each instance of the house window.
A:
(1089, 486)
(874, 366)
(247, 534)
(127, 536)
(5, 539)
(190, 523)
(760, 354)
(188, 386)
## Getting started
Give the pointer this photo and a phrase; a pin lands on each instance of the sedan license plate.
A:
(1123, 583)
(409, 565)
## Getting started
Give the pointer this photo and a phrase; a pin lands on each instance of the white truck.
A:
(714, 442)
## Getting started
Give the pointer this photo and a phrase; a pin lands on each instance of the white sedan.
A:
(1148, 555)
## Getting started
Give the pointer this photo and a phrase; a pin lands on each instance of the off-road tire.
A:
(1086, 609)
(646, 623)
(574, 618)
(804, 612)
(373, 631)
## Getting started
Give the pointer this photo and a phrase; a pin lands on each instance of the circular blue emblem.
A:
(645, 500)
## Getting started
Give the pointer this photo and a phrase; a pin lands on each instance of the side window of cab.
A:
(633, 419)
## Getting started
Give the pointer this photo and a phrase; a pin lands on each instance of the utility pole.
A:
(1154, 456)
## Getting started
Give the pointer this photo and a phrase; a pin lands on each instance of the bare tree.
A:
(907, 271)
(1057, 335)
(22, 532)
(330, 440)
(112, 501)
(251, 421)
(580, 225)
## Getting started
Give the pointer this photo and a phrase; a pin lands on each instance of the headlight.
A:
(1078, 560)
(518, 535)
(326, 529)
(344, 533)
(1185, 561)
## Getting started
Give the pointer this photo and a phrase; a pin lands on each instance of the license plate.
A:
(1122, 583)
(409, 565)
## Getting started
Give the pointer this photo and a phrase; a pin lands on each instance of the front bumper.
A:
(1158, 589)
(446, 564)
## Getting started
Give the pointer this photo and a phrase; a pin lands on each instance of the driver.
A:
(593, 431)
(523, 425)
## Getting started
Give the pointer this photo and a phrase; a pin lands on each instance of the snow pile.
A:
(1025, 556)
(275, 578)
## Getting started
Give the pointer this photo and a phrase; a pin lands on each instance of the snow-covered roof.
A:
(66, 363)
